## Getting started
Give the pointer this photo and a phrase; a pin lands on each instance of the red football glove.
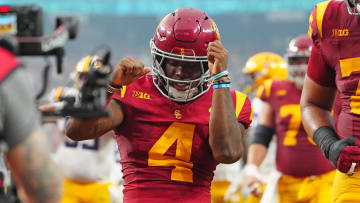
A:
(341, 152)
(348, 155)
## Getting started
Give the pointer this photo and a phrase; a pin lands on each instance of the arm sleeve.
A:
(262, 135)
(17, 108)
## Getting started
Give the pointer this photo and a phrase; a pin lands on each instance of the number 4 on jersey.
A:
(182, 134)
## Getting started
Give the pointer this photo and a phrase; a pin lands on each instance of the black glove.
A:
(341, 152)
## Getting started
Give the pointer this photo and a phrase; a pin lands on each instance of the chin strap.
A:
(187, 94)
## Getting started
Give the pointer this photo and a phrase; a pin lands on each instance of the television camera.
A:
(22, 32)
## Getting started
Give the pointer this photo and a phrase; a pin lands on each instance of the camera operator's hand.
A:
(128, 70)
(217, 57)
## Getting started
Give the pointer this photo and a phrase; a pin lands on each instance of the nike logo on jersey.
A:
(141, 95)
(340, 32)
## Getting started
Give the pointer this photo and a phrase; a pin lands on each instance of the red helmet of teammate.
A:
(297, 57)
(353, 7)
(183, 35)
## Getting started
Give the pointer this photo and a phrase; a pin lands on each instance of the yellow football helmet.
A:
(263, 66)
(83, 67)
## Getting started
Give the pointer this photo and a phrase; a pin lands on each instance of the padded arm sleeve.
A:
(262, 135)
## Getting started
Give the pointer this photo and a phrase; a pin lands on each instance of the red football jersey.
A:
(335, 60)
(336, 108)
(164, 146)
(296, 155)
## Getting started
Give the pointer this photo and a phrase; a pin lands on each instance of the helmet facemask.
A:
(297, 57)
(297, 69)
(353, 7)
(193, 88)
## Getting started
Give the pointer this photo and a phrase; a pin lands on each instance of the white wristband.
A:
(252, 170)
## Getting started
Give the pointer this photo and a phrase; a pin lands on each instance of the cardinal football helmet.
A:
(183, 35)
(353, 7)
(297, 57)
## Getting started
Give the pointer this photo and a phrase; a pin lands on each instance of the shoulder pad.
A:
(240, 101)
(264, 90)
(316, 19)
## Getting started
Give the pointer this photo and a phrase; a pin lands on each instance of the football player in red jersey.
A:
(301, 164)
(260, 67)
(334, 67)
(173, 127)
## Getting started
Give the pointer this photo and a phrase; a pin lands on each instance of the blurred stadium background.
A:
(246, 27)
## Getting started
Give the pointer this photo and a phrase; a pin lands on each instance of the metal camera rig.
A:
(92, 97)
(22, 32)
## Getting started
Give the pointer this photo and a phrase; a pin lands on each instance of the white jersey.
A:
(87, 161)
(255, 104)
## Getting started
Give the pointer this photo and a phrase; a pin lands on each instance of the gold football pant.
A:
(346, 188)
(218, 190)
(312, 189)
(253, 199)
(86, 193)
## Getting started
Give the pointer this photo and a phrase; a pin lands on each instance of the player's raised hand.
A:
(217, 57)
(128, 70)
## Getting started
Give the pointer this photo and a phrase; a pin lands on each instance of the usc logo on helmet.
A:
(214, 27)
(182, 51)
